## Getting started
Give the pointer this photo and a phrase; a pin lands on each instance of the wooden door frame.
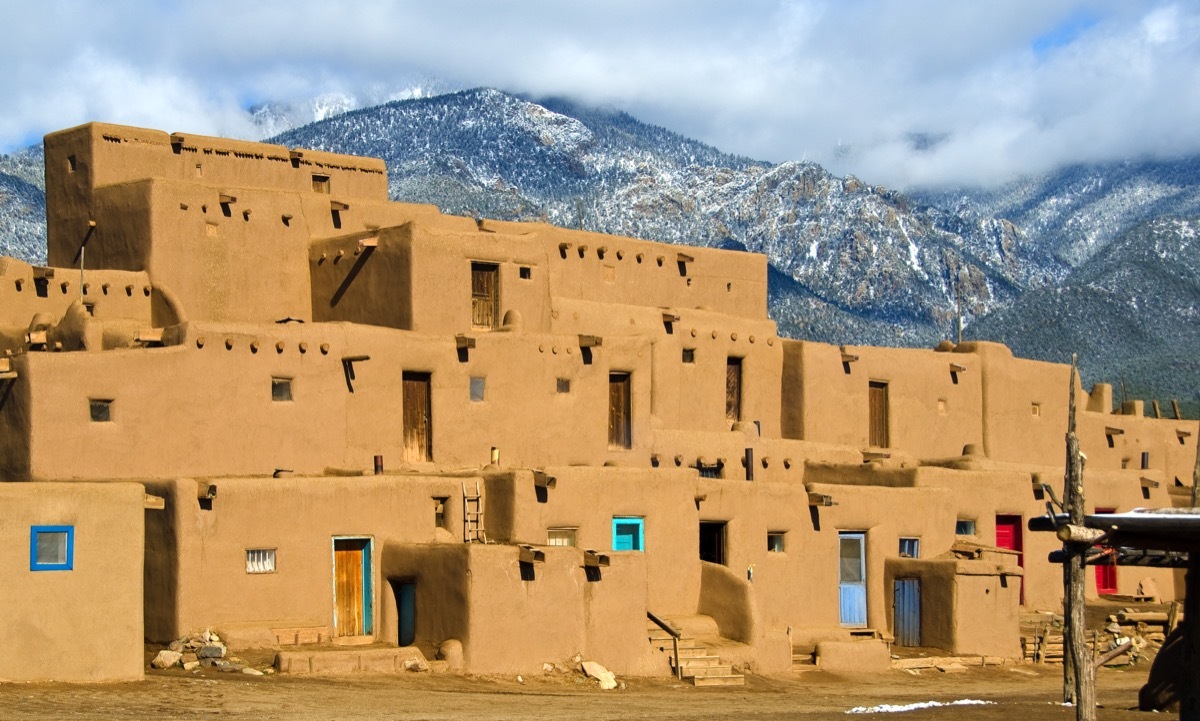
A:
(368, 580)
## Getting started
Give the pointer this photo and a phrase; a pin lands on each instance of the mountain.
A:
(23, 205)
(866, 264)
(1078, 210)
(1131, 312)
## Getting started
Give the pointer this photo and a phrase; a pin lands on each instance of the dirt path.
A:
(1024, 694)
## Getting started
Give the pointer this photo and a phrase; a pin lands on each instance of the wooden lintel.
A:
(151, 335)
(43, 272)
(957, 368)
(462, 342)
(177, 139)
(1183, 434)
(368, 243)
(36, 337)
(153, 503)
(669, 317)
(1149, 482)
(1110, 431)
(355, 358)
(226, 198)
(541, 479)
(820, 499)
(590, 341)
(684, 258)
(338, 205)
(848, 357)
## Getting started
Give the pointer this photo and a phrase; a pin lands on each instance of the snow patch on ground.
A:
(901, 708)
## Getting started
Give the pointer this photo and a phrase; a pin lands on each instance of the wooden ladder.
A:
(472, 507)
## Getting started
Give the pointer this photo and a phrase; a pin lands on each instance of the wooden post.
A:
(1196, 479)
(1075, 631)
(1189, 676)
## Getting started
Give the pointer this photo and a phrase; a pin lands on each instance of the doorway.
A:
(406, 610)
(712, 541)
(852, 579)
(418, 417)
(352, 589)
(1009, 535)
(1106, 573)
(878, 435)
(907, 611)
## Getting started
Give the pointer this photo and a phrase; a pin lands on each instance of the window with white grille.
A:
(260, 560)
(560, 537)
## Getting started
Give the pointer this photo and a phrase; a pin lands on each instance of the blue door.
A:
(852, 573)
(406, 605)
(907, 609)
(627, 533)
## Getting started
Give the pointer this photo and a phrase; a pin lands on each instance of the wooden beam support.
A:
(153, 503)
(595, 560)
(529, 554)
(463, 342)
(820, 499)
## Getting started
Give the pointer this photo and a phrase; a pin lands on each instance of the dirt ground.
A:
(1021, 693)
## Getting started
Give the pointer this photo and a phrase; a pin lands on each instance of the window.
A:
(485, 295)
(910, 547)
(477, 388)
(1036, 410)
(620, 432)
(689, 355)
(733, 389)
(525, 272)
(439, 511)
(712, 541)
(560, 536)
(710, 470)
(563, 385)
(1145, 460)
(51, 548)
(260, 560)
(628, 533)
(775, 541)
(101, 410)
(964, 527)
(71, 164)
(281, 389)
(320, 183)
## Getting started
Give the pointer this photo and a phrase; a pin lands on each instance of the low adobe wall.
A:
(82, 623)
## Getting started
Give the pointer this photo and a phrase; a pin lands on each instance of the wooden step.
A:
(698, 661)
(716, 670)
(736, 679)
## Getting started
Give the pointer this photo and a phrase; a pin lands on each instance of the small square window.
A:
(260, 560)
(560, 536)
(281, 389)
(910, 548)
(439, 511)
(1036, 410)
(525, 272)
(100, 409)
(71, 164)
(477, 389)
(1145, 460)
(689, 355)
(90, 307)
(51, 548)
(964, 527)
(775, 541)
(564, 385)
(320, 183)
(628, 533)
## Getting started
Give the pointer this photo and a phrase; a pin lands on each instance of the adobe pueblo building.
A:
(250, 393)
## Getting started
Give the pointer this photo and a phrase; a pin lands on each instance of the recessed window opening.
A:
(281, 389)
(1036, 410)
(711, 470)
(70, 163)
(712, 541)
(776, 541)
(477, 389)
(525, 272)
(439, 512)
(964, 527)
(563, 385)
(42, 287)
(226, 210)
(682, 268)
(260, 560)
(90, 307)
(689, 355)
(320, 183)
(628, 533)
(1145, 460)
(336, 217)
(51, 548)
(910, 548)
(100, 410)
(560, 536)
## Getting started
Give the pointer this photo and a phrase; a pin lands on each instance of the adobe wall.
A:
(199, 580)
(82, 624)
(15, 435)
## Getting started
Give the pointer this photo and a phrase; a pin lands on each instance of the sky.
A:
(905, 93)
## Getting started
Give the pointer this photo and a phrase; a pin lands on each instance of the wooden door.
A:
(485, 295)
(620, 431)
(907, 611)
(418, 417)
(733, 389)
(352, 586)
(1106, 573)
(852, 579)
(1009, 535)
(878, 435)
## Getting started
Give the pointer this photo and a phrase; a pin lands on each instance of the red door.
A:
(1008, 535)
(1106, 573)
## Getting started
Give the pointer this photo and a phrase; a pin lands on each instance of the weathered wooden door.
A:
(1009, 536)
(907, 611)
(485, 295)
(878, 433)
(352, 586)
(418, 417)
(620, 431)
(733, 389)
(852, 578)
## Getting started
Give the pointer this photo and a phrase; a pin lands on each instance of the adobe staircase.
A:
(696, 665)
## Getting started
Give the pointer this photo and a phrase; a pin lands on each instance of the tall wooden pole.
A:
(1075, 629)
(1196, 478)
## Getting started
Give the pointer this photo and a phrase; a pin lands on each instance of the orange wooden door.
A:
(418, 417)
(878, 434)
(485, 295)
(733, 389)
(348, 585)
(620, 432)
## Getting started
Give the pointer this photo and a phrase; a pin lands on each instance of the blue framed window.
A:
(628, 533)
(51, 548)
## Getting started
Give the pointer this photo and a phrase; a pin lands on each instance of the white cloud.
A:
(995, 88)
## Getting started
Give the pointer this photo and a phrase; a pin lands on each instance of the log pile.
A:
(1145, 630)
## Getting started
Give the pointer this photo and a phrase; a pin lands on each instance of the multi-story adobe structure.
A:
(350, 420)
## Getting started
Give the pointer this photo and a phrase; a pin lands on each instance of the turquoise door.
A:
(406, 605)
(852, 573)
(627, 533)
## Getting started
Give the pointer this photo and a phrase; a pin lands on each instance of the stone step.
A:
(736, 679)
(697, 661)
(718, 670)
(337, 661)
